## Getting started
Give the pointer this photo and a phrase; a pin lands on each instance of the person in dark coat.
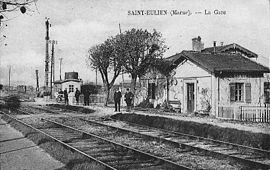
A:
(128, 98)
(77, 95)
(66, 96)
(117, 98)
(86, 97)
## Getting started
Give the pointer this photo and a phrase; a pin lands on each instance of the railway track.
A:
(31, 109)
(254, 157)
(110, 154)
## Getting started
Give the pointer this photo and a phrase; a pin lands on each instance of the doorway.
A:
(190, 97)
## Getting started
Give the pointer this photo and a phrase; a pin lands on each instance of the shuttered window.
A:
(238, 91)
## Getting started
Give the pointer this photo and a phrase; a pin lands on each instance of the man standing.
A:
(86, 97)
(117, 98)
(128, 98)
(77, 96)
(66, 96)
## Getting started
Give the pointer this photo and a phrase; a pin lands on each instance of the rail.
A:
(135, 157)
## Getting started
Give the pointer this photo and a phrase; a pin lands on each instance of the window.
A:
(71, 88)
(240, 92)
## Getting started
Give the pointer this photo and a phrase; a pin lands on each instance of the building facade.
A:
(209, 81)
(70, 83)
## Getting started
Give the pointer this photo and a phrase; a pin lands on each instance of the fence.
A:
(245, 113)
(97, 98)
(93, 98)
(226, 112)
(255, 113)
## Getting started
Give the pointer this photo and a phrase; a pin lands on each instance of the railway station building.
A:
(219, 80)
(71, 82)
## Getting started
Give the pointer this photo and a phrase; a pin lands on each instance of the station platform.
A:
(19, 153)
(101, 110)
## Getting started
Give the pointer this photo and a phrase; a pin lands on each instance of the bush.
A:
(12, 102)
(145, 104)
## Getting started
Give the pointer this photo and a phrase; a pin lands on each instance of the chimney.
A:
(214, 44)
(197, 44)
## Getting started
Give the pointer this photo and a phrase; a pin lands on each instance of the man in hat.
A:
(117, 98)
(128, 98)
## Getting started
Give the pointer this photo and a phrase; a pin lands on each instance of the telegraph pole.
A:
(60, 67)
(9, 71)
(37, 89)
(52, 66)
(47, 55)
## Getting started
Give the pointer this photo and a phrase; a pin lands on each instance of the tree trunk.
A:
(168, 88)
(133, 86)
(107, 94)
(133, 83)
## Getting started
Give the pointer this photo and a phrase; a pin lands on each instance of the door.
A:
(190, 97)
(151, 90)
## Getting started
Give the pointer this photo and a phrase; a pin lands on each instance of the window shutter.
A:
(248, 92)
(232, 92)
(266, 92)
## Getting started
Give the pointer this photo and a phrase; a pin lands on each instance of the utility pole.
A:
(37, 89)
(9, 71)
(47, 54)
(52, 66)
(60, 67)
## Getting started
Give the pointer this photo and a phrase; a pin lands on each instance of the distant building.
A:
(21, 88)
(71, 82)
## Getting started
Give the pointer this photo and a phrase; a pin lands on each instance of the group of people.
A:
(128, 99)
(117, 98)
(77, 95)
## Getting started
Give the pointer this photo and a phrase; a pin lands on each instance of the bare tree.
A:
(139, 48)
(104, 58)
(131, 52)
(12, 6)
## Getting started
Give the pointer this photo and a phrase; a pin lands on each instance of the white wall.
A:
(188, 69)
(256, 90)
(190, 73)
(71, 95)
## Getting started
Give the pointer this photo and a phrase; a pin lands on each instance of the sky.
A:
(79, 25)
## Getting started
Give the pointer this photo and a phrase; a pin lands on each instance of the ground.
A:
(18, 152)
